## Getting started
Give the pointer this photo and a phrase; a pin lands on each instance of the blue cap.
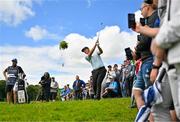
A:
(14, 60)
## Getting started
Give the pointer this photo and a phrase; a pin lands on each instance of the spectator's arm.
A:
(170, 31)
(83, 84)
(146, 30)
(151, 32)
(5, 75)
(110, 88)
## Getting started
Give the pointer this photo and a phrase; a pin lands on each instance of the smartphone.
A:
(131, 20)
(139, 38)
(128, 52)
(142, 21)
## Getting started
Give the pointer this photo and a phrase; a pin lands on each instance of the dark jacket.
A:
(78, 84)
(145, 42)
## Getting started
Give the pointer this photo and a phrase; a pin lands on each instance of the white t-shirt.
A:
(95, 60)
(110, 74)
(54, 86)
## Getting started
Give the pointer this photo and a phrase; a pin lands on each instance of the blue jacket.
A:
(78, 84)
(114, 86)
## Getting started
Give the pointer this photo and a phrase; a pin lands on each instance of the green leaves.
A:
(63, 45)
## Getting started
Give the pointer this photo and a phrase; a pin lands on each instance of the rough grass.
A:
(88, 110)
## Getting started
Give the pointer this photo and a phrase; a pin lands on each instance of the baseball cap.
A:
(14, 60)
(84, 49)
(148, 1)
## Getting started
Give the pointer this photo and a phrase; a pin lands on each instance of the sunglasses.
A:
(143, 7)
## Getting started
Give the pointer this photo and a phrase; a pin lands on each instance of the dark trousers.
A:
(45, 94)
(110, 94)
(78, 95)
(98, 76)
(53, 95)
(129, 86)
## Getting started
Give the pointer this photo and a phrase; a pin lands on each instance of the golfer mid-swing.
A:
(99, 71)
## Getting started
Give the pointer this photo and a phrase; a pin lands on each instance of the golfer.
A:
(99, 71)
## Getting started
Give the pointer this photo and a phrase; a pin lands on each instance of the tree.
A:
(2, 90)
(33, 91)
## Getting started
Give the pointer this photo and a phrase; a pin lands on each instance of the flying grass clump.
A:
(63, 45)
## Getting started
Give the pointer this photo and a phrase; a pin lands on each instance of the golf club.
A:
(101, 24)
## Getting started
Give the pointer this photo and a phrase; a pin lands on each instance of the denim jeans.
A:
(143, 77)
(123, 89)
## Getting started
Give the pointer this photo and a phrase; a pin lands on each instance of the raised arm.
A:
(93, 49)
(146, 30)
(99, 48)
(5, 75)
(151, 32)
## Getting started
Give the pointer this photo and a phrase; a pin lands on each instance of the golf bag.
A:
(22, 95)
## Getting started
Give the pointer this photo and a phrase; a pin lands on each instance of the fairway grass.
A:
(87, 110)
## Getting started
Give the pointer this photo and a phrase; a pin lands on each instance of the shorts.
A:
(143, 77)
(9, 88)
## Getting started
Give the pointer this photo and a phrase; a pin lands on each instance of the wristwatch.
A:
(155, 66)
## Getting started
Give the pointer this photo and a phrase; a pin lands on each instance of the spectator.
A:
(129, 76)
(117, 78)
(167, 40)
(106, 80)
(117, 72)
(99, 71)
(112, 90)
(125, 75)
(65, 95)
(54, 89)
(149, 12)
(84, 93)
(121, 80)
(78, 86)
(160, 111)
(91, 90)
(68, 96)
(11, 76)
(137, 59)
(45, 83)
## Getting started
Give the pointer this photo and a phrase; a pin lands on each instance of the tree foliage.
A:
(2, 90)
(63, 45)
(33, 91)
